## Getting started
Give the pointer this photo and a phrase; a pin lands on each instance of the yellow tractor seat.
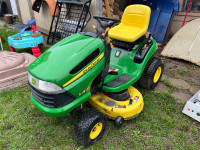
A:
(134, 24)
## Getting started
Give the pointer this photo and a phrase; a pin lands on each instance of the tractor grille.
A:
(44, 99)
(54, 99)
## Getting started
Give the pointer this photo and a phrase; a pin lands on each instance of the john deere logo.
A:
(33, 81)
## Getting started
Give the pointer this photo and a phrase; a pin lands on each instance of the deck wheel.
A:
(119, 121)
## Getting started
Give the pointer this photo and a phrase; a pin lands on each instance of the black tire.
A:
(119, 121)
(86, 124)
(147, 79)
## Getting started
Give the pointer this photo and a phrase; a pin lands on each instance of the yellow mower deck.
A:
(127, 109)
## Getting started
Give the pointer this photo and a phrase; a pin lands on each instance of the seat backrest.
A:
(137, 16)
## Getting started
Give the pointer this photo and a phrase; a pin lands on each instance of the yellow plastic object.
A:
(157, 75)
(114, 109)
(134, 24)
(1, 45)
(96, 130)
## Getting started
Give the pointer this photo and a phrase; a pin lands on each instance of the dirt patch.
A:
(184, 75)
(194, 89)
(179, 83)
(181, 97)
(176, 68)
(161, 88)
(186, 71)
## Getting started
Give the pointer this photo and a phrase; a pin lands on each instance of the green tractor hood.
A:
(56, 63)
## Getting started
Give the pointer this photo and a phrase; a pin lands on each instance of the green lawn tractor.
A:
(98, 68)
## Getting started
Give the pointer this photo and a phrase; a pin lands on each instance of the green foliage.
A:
(136, 135)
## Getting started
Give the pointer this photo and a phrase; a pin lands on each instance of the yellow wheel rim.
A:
(157, 75)
(96, 130)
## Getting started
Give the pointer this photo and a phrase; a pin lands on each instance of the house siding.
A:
(177, 19)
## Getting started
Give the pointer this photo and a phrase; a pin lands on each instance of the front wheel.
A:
(152, 73)
(90, 127)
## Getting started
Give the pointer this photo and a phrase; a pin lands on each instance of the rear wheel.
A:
(90, 127)
(152, 73)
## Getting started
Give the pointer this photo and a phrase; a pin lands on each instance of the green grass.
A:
(169, 84)
(6, 31)
(161, 125)
(184, 72)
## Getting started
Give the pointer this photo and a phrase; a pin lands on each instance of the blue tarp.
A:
(161, 13)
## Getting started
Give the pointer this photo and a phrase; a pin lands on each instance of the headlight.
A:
(43, 85)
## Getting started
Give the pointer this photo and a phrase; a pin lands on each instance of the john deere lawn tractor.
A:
(100, 69)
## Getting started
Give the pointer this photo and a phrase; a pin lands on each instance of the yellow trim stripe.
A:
(85, 70)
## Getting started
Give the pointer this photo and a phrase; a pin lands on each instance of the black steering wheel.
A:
(109, 21)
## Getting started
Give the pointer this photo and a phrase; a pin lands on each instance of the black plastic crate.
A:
(72, 17)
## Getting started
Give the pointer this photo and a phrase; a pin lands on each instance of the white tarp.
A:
(185, 44)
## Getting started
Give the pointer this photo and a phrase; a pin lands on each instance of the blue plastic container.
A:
(24, 40)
